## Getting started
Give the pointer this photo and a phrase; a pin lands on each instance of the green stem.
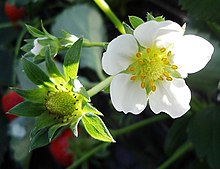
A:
(177, 154)
(19, 41)
(88, 155)
(88, 43)
(93, 91)
(140, 124)
(106, 9)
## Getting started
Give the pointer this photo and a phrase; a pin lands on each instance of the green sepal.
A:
(39, 140)
(158, 18)
(71, 60)
(39, 58)
(37, 95)
(88, 108)
(53, 130)
(55, 75)
(35, 74)
(28, 109)
(35, 32)
(135, 21)
(127, 28)
(74, 126)
(43, 121)
(78, 88)
(27, 47)
(46, 33)
(96, 127)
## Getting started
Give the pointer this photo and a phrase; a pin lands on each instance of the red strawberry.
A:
(9, 100)
(14, 13)
(59, 148)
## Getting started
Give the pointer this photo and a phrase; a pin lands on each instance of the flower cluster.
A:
(150, 66)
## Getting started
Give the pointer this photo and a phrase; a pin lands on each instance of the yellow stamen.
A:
(169, 78)
(164, 59)
(138, 54)
(166, 62)
(166, 74)
(143, 85)
(131, 69)
(141, 62)
(160, 78)
(153, 88)
(143, 75)
(151, 83)
(163, 50)
(133, 78)
(174, 67)
(148, 50)
(169, 53)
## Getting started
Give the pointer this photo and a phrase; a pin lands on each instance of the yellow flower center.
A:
(64, 105)
(151, 65)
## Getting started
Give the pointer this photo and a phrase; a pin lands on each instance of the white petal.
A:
(152, 32)
(119, 53)
(192, 53)
(127, 95)
(172, 97)
(37, 47)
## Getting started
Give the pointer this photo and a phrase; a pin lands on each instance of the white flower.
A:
(150, 66)
(37, 47)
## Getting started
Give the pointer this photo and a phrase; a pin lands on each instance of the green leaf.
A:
(78, 88)
(35, 32)
(54, 73)
(202, 9)
(27, 109)
(88, 108)
(127, 28)
(158, 18)
(35, 74)
(39, 140)
(204, 134)
(46, 33)
(74, 126)
(71, 60)
(96, 127)
(53, 130)
(79, 20)
(37, 95)
(135, 21)
(177, 135)
(43, 121)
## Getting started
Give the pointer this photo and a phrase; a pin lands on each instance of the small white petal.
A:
(172, 97)
(127, 95)
(119, 53)
(192, 53)
(161, 33)
(37, 47)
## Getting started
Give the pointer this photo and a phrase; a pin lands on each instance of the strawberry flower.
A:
(150, 66)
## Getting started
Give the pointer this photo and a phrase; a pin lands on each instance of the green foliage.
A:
(89, 108)
(157, 18)
(202, 9)
(34, 73)
(39, 140)
(37, 95)
(54, 74)
(204, 134)
(127, 28)
(135, 21)
(35, 32)
(83, 20)
(96, 127)
(177, 135)
(27, 109)
(71, 60)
